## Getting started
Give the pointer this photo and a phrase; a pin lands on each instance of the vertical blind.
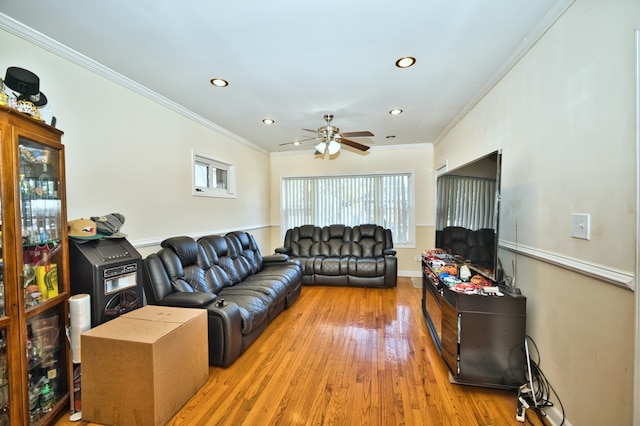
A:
(466, 201)
(383, 199)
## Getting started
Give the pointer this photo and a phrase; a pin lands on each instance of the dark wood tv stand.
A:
(480, 338)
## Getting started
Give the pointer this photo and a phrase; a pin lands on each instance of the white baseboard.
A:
(411, 274)
(554, 417)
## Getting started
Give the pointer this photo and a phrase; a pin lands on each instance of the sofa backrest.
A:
(226, 252)
(333, 239)
(187, 266)
(369, 240)
(246, 246)
(301, 238)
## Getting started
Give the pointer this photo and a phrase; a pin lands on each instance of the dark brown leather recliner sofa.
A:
(362, 255)
(241, 290)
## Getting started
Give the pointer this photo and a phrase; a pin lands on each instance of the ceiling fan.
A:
(331, 139)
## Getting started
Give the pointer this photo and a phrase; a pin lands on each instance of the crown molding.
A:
(45, 42)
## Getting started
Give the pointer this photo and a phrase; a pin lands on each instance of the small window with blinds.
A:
(381, 199)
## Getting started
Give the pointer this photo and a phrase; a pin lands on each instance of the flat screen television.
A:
(468, 213)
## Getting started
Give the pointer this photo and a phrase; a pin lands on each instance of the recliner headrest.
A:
(219, 244)
(367, 230)
(185, 247)
(242, 237)
(306, 231)
(336, 231)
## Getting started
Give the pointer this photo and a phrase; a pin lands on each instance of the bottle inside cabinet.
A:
(46, 363)
(41, 221)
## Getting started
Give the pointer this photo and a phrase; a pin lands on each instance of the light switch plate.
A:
(580, 225)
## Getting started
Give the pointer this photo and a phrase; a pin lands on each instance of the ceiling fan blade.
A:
(354, 144)
(298, 141)
(356, 134)
(309, 130)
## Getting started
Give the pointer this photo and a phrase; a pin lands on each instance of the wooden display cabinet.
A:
(480, 337)
(34, 267)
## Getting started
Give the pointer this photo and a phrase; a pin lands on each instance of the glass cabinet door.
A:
(47, 369)
(40, 212)
(42, 258)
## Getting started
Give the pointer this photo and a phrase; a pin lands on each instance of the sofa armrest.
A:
(389, 252)
(198, 299)
(275, 258)
(283, 250)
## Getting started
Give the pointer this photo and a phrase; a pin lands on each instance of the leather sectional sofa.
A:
(340, 255)
(241, 290)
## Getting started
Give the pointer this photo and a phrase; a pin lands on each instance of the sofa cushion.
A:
(332, 239)
(245, 245)
(188, 266)
(218, 251)
(367, 267)
(370, 238)
(300, 239)
(332, 266)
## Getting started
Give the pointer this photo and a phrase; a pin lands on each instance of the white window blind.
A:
(466, 201)
(382, 199)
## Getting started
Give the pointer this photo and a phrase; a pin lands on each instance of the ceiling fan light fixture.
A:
(321, 147)
(405, 62)
(334, 147)
(219, 82)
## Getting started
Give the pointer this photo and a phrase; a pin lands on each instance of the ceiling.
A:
(293, 61)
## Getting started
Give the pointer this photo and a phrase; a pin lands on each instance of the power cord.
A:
(538, 398)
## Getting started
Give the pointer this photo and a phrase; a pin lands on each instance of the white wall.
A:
(414, 158)
(565, 119)
(128, 154)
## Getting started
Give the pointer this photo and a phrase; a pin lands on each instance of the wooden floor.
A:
(344, 356)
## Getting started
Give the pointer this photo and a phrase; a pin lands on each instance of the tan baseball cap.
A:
(83, 229)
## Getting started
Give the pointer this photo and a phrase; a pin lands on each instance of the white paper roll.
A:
(79, 320)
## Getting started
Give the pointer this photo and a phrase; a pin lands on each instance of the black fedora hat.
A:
(26, 84)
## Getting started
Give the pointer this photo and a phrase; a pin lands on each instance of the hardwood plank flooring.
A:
(344, 356)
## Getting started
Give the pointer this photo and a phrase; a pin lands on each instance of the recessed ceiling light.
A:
(395, 111)
(219, 82)
(405, 62)
(297, 142)
(268, 121)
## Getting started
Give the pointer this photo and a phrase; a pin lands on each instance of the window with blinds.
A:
(382, 199)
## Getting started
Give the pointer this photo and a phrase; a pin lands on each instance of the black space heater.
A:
(110, 271)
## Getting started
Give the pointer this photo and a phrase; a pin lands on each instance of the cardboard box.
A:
(141, 368)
